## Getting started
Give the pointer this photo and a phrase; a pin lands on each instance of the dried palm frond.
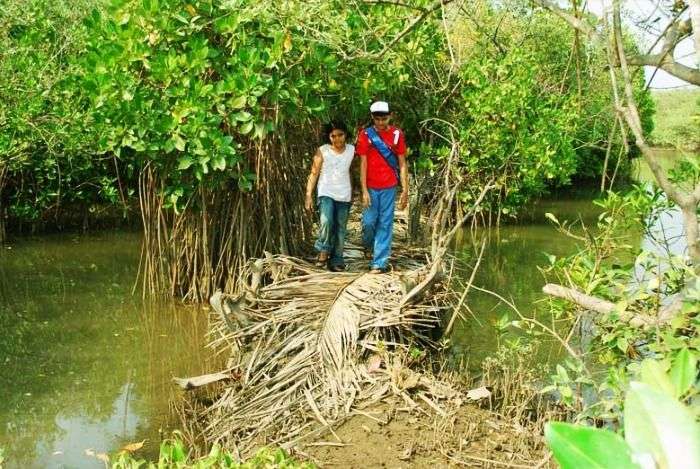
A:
(300, 344)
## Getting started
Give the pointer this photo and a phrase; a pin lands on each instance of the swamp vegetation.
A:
(193, 122)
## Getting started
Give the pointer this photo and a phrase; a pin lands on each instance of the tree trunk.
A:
(688, 202)
(692, 233)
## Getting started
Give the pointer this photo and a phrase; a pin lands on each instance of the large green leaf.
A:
(684, 371)
(659, 425)
(653, 373)
(578, 447)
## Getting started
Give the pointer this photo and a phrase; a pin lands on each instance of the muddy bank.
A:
(392, 437)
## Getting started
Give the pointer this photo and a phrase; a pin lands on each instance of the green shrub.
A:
(173, 454)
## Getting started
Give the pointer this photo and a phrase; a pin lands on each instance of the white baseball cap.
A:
(379, 106)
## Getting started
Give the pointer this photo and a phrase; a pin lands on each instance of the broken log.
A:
(589, 302)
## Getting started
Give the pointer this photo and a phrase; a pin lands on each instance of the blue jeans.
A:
(378, 225)
(332, 229)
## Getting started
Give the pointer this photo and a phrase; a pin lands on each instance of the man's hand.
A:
(403, 200)
(365, 199)
(309, 203)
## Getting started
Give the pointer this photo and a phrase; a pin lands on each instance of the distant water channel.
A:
(86, 365)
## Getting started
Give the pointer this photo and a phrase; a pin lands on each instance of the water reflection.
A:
(83, 363)
(665, 234)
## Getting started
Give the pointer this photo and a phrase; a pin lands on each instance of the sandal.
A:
(338, 268)
(367, 253)
(380, 270)
(321, 259)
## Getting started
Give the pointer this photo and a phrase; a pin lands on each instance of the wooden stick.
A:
(455, 313)
(199, 381)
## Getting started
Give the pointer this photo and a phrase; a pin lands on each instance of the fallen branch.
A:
(589, 302)
(199, 381)
(597, 305)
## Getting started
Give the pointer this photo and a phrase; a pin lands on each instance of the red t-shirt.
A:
(379, 174)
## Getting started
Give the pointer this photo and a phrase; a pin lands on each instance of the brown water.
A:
(84, 364)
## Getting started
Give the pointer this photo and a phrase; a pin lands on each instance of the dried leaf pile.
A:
(309, 348)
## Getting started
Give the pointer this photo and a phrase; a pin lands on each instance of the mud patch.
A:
(391, 436)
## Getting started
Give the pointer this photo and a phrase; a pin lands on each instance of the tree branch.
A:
(667, 64)
(663, 60)
(575, 22)
(676, 32)
(694, 6)
(412, 25)
(687, 202)
(595, 304)
(393, 2)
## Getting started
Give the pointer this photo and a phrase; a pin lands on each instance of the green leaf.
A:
(622, 344)
(242, 116)
(246, 128)
(179, 142)
(259, 130)
(184, 163)
(563, 374)
(169, 145)
(578, 447)
(238, 102)
(218, 162)
(657, 424)
(684, 371)
(179, 452)
(653, 373)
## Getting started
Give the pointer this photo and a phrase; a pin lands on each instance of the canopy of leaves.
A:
(189, 88)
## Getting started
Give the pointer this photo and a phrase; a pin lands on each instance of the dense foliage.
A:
(510, 127)
(189, 87)
(90, 98)
(656, 426)
(198, 112)
(45, 155)
(632, 369)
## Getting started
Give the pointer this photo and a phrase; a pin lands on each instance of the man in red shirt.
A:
(379, 176)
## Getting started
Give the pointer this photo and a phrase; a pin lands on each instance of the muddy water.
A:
(84, 364)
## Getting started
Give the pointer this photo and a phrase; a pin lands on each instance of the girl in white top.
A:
(331, 169)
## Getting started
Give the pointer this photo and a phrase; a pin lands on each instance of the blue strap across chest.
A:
(384, 150)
